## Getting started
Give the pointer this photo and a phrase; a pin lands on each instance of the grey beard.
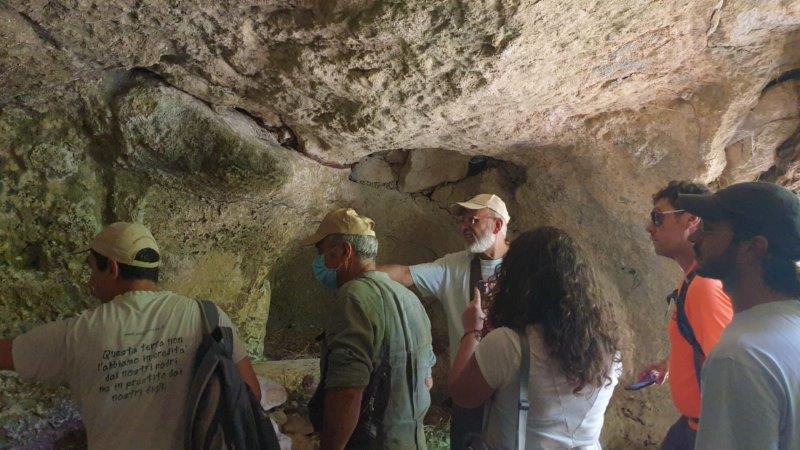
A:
(482, 243)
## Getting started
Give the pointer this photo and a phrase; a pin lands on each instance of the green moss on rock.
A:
(50, 203)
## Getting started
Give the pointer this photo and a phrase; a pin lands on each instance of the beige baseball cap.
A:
(341, 221)
(121, 241)
(481, 201)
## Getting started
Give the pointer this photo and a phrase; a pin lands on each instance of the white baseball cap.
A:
(482, 201)
(121, 241)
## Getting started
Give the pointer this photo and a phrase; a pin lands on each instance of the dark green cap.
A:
(756, 208)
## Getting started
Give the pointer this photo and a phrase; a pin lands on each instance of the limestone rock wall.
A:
(230, 128)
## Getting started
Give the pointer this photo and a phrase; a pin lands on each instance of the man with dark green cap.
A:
(750, 239)
(376, 354)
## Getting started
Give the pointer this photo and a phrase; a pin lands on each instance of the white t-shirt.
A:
(128, 364)
(447, 279)
(558, 418)
(751, 382)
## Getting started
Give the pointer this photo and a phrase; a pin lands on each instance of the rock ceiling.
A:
(354, 77)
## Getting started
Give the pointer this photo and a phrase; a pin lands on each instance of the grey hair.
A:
(494, 215)
(366, 247)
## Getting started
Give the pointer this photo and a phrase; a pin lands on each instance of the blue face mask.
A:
(326, 276)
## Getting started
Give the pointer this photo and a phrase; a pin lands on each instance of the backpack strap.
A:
(474, 274)
(410, 372)
(685, 328)
(211, 326)
(210, 314)
(524, 405)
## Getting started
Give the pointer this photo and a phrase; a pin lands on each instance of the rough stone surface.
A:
(230, 128)
(296, 424)
(35, 416)
(373, 169)
(431, 167)
(773, 120)
(272, 393)
(291, 374)
(171, 133)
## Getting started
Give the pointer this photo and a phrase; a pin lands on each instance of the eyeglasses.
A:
(469, 220)
(657, 217)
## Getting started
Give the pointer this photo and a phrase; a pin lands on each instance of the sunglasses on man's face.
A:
(657, 217)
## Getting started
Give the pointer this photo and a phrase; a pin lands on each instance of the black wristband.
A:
(476, 333)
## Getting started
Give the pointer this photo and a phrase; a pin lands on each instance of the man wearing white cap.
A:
(127, 362)
(482, 221)
(377, 351)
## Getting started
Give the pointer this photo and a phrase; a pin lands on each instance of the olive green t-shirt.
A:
(365, 313)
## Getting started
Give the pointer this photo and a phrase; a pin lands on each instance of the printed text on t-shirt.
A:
(142, 369)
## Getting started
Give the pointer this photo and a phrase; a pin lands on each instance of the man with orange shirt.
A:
(699, 311)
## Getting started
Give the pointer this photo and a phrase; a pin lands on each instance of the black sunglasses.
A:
(657, 217)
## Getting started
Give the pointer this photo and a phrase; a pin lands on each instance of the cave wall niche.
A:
(411, 228)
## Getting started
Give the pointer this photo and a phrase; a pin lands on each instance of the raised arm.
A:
(468, 387)
(398, 273)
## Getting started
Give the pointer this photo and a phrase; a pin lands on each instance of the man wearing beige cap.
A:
(127, 362)
(482, 221)
(377, 355)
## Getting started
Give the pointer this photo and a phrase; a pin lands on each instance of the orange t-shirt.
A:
(709, 311)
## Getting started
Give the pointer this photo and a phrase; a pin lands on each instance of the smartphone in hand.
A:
(649, 380)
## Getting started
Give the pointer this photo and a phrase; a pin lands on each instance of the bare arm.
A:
(398, 273)
(6, 356)
(245, 369)
(342, 407)
(468, 387)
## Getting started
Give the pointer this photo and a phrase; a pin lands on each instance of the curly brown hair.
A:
(544, 280)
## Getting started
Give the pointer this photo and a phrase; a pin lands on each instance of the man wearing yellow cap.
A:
(128, 362)
(482, 221)
(376, 353)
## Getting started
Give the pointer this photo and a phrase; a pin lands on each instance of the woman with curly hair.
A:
(546, 291)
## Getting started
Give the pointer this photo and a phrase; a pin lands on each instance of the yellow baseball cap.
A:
(341, 221)
(481, 201)
(121, 241)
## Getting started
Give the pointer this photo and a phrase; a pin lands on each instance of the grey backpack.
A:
(222, 412)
